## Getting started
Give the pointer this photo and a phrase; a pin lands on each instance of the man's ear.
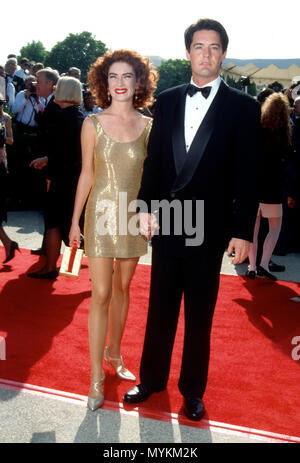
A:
(187, 54)
(224, 56)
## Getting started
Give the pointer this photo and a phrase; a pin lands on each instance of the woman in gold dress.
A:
(114, 146)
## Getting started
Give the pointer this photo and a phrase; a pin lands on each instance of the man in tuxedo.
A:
(203, 149)
(46, 80)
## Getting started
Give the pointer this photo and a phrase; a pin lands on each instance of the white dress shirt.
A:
(196, 108)
(46, 100)
(11, 93)
(25, 109)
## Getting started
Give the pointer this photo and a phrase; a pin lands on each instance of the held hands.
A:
(240, 248)
(148, 224)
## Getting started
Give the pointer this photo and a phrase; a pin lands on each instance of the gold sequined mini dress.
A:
(111, 228)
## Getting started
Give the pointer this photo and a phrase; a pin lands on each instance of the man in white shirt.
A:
(10, 69)
(27, 104)
(27, 185)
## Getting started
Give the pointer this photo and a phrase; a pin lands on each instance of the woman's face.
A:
(121, 81)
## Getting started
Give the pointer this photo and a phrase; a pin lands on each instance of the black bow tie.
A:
(192, 89)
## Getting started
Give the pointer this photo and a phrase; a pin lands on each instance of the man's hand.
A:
(240, 248)
(148, 224)
(39, 163)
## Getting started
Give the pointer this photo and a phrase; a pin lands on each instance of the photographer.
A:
(27, 104)
(25, 108)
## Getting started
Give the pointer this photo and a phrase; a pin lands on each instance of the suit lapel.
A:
(178, 137)
(199, 144)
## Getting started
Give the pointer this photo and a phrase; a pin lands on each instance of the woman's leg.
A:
(124, 271)
(101, 276)
(253, 246)
(270, 241)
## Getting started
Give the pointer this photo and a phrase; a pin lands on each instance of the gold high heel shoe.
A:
(95, 402)
(118, 365)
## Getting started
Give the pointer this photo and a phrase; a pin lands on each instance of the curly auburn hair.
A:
(146, 77)
(275, 114)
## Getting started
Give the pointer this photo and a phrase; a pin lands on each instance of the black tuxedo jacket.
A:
(221, 167)
(46, 120)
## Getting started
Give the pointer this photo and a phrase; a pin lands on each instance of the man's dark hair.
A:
(209, 25)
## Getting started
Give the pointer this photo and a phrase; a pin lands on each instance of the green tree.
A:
(173, 72)
(79, 50)
(34, 51)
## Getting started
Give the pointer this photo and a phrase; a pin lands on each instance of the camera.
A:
(32, 89)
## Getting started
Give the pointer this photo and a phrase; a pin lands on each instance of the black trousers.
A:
(197, 279)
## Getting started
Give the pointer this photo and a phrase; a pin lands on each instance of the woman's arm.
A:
(88, 141)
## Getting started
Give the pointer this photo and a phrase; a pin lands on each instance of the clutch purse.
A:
(71, 262)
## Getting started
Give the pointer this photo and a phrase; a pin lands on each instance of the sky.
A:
(256, 29)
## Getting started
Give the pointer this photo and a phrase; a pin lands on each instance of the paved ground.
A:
(27, 417)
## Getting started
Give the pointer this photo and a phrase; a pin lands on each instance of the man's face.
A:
(10, 68)
(206, 55)
(44, 87)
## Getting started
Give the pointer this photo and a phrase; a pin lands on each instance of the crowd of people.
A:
(24, 105)
(74, 147)
(26, 187)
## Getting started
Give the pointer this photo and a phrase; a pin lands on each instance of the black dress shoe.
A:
(194, 408)
(138, 393)
(251, 274)
(44, 276)
(261, 272)
(276, 267)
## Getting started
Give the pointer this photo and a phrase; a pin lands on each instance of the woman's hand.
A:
(74, 235)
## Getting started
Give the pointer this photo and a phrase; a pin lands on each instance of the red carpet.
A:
(253, 380)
